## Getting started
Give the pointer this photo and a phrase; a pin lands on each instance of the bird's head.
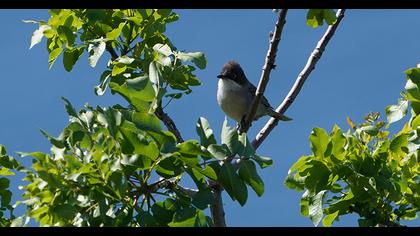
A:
(233, 71)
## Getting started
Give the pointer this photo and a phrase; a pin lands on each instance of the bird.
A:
(235, 94)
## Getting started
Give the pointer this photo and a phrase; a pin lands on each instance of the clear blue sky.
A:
(360, 71)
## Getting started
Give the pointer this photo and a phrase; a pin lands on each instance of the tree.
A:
(364, 170)
(118, 166)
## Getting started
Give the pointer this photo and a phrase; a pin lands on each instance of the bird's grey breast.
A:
(233, 98)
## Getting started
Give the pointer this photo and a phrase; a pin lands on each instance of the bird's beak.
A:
(220, 76)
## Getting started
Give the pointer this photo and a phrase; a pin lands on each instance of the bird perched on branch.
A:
(235, 94)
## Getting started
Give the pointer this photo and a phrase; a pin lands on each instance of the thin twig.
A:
(169, 123)
(265, 75)
(304, 74)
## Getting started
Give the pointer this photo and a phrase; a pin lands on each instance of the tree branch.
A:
(111, 51)
(169, 123)
(265, 75)
(216, 209)
(304, 74)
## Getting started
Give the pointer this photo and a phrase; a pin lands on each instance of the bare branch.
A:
(268, 66)
(169, 123)
(304, 74)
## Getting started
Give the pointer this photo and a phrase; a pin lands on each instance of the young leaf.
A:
(319, 141)
(53, 56)
(328, 219)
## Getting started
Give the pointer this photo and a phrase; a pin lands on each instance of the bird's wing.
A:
(264, 101)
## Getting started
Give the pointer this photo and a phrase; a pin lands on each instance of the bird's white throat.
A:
(228, 84)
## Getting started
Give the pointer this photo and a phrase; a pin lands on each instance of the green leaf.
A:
(295, 182)
(263, 161)
(4, 183)
(6, 172)
(137, 91)
(413, 74)
(38, 34)
(154, 76)
(71, 56)
(169, 167)
(317, 176)
(8, 162)
(6, 197)
(95, 52)
(118, 69)
(2, 150)
(203, 198)
(319, 141)
(112, 35)
(145, 219)
(315, 212)
(193, 147)
(208, 171)
(205, 132)
(163, 49)
(328, 219)
(248, 172)
(329, 16)
(399, 144)
(316, 17)
(370, 129)
(415, 122)
(54, 55)
(299, 164)
(69, 108)
(146, 121)
(188, 217)
(229, 136)
(233, 185)
(104, 81)
(56, 142)
(125, 60)
(66, 35)
(246, 146)
(339, 142)
(413, 91)
(164, 211)
(395, 113)
(197, 58)
(220, 152)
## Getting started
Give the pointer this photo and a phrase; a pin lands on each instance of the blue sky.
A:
(361, 71)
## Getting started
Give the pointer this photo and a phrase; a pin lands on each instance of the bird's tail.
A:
(278, 115)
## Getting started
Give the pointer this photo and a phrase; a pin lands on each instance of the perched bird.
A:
(235, 94)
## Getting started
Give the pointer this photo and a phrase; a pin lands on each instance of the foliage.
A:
(118, 166)
(364, 171)
(316, 17)
(7, 165)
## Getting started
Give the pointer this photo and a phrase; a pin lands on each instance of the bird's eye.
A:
(233, 76)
